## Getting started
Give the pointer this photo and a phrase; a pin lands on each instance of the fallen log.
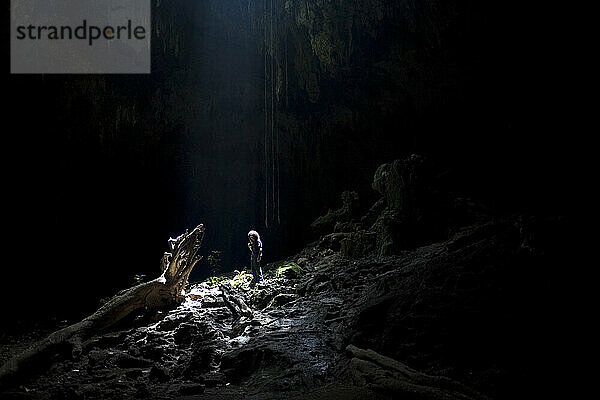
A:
(164, 291)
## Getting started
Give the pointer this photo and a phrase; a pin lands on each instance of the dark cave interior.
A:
(261, 113)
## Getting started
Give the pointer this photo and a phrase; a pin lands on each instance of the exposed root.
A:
(383, 374)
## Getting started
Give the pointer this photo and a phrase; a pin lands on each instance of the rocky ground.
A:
(476, 307)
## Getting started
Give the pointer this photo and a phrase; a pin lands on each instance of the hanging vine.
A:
(266, 156)
(276, 125)
(271, 129)
(272, 113)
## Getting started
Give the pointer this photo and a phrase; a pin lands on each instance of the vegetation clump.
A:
(215, 262)
(287, 270)
(241, 278)
(215, 281)
(236, 279)
(139, 278)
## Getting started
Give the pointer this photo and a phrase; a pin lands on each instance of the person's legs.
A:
(260, 274)
(254, 267)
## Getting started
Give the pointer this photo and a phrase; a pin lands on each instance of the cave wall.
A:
(350, 85)
(89, 170)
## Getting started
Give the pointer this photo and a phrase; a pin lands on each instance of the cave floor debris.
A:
(429, 308)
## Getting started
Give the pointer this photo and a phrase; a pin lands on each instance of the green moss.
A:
(215, 281)
(323, 48)
(241, 278)
(238, 280)
(284, 269)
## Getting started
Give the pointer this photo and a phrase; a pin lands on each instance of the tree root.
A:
(236, 304)
(164, 291)
(383, 374)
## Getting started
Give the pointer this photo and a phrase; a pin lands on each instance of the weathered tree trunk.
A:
(164, 291)
(386, 375)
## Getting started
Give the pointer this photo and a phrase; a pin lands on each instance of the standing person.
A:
(255, 246)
